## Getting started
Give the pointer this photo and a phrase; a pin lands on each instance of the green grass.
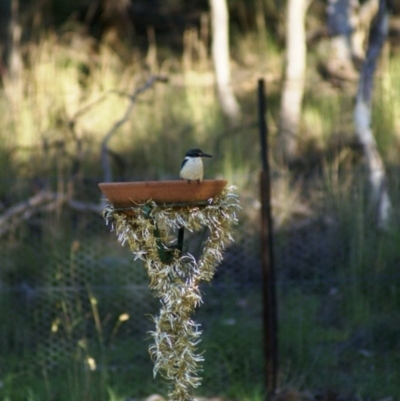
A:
(351, 355)
(342, 333)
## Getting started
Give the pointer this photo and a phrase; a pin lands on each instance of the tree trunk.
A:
(5, 21)
(339, 63)
(362, 24)
(294, 80)
(15, 58)
(220, 55)
(348, 24)
(362, 117)
(12, 66)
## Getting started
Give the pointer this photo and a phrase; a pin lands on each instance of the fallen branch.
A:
(43, 201)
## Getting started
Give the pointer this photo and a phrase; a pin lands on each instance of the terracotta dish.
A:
(123, 194)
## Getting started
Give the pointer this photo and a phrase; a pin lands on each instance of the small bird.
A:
(192, 165)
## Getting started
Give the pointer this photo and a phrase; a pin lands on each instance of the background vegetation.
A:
(339, 286)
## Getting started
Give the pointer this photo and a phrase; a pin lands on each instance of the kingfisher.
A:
(192, 165)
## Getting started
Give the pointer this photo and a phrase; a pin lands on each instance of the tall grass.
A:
(337, 327)
(74, 91)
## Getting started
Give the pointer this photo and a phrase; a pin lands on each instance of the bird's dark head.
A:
(196, 153)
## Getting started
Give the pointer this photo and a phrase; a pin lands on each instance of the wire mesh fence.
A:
(72, 296)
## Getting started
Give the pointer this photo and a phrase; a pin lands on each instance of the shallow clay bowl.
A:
(123, 194)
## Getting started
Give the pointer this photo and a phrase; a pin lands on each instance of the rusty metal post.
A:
(270, 318)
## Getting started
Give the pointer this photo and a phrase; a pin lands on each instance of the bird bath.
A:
(124, 194)
(143, 214)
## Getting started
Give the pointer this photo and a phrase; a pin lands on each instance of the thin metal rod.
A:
(179, 245)
(270, 316)
(263, 128)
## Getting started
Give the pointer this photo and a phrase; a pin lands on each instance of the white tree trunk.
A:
(340, 22)
(294, 80)
(362, 22)
(14, 65)
(348, 24)
(220, 55)
(362, 117)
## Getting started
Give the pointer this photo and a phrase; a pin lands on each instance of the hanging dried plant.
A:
(175, 277)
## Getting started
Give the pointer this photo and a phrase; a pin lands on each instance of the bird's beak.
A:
(205, 155)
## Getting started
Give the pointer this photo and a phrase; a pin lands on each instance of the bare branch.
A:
(90, 105)
(104, 146)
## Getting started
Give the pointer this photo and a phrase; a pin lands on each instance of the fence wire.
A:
(71, 294)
